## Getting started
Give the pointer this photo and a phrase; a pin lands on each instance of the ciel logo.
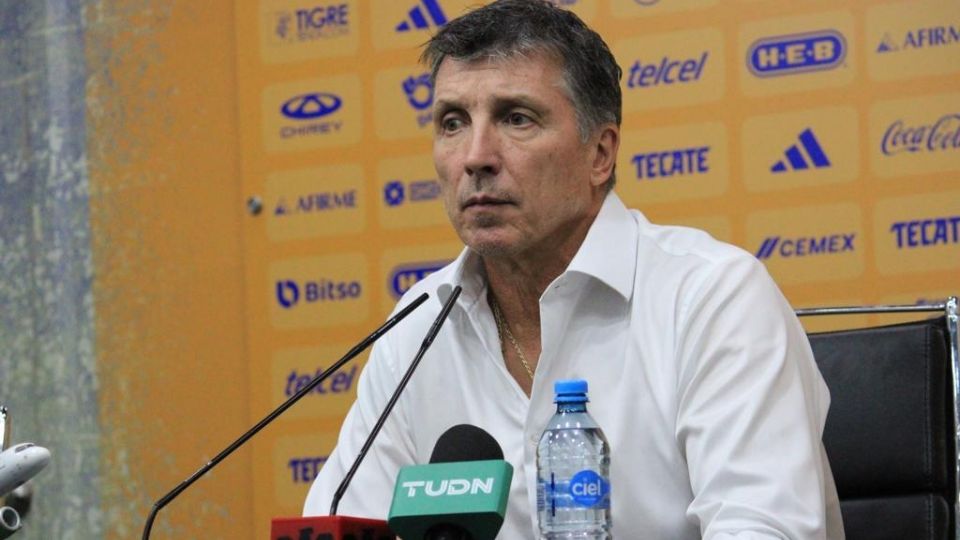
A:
(589, 489)
(310, 106)
(796, 53)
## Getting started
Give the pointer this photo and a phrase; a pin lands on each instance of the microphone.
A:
(351, 354)
(334, 526)
(461, 495)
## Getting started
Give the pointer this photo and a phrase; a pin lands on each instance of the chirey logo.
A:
(449, 487)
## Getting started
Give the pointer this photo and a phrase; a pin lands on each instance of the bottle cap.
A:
(570, 391)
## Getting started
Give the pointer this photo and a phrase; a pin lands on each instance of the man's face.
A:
(516, 177)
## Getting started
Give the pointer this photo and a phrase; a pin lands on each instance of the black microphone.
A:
(351, 354)
(461, 495)
(427, 341)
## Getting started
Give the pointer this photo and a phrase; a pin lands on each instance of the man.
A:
(700, 376)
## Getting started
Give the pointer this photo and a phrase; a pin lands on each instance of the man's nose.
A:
(483, 151)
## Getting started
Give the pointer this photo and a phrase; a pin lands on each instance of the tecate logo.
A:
(926, 232)
(670, 163)
(310, 106)
(941, 135)
(806, 246)
(797, 53)
(450, 487)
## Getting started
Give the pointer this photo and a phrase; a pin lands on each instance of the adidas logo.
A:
(417, 20)
(795, 158)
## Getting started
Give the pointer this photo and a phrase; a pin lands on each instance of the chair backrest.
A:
(891, 433)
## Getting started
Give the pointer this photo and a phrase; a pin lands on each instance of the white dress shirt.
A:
(699, 373)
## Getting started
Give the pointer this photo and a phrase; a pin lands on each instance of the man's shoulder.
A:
(683, 243)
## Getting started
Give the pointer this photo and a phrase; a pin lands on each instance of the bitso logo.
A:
(310, 203)
(417, 17)
(290, 292)
(666, 71)
(926, 232)
(671, 163)
(941, 135)
(920, 38)
(405, 276)
(308, 24)
(799, 158)
(806, 246)
(797, 53)
(396, 192)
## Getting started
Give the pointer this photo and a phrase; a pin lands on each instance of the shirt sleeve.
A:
(751, 411)
(371, 489)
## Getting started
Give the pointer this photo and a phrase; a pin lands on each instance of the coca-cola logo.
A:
(941, 135)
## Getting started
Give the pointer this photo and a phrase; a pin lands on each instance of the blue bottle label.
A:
(589, 489)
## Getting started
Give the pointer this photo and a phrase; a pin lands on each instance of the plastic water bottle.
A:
(573, 470)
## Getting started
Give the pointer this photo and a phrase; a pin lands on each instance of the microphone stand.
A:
(351, 354)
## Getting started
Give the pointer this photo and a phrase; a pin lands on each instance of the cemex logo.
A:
(796, 53)
(670, 163)
(311, 23)
(405, 276)
(920, 38)
(667, 71)
(938, 231)
(798, 161)
(942, 134)
(396, 192)
(290, 293)
(806, 246)
(323, 201)
(417, 17)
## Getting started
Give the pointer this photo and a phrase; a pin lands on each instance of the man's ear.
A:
(607, 142)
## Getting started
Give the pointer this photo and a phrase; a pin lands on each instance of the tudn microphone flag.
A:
(462, 493)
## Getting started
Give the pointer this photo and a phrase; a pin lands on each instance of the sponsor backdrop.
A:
(823, 137)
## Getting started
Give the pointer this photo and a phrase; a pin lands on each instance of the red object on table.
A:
(329, 528)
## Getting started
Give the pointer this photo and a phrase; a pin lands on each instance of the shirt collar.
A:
(608, 254)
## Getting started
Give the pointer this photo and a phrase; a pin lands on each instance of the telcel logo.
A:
(449, 487)
(926, 232)
(406, 276)
(797, 53)
(667, 71)
(805, 246)
(323, 290)
(941, 135)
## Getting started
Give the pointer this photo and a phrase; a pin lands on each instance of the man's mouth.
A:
(484, 200)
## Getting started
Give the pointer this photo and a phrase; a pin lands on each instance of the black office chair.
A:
(891, 432)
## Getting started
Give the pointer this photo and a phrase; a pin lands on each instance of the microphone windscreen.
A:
(465, 442)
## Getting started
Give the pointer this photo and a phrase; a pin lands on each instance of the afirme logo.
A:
(926, 232)
(310, 203)
(799, 158)
(942, 134)
(796, 53)
(666, 71)
(417, 18)
(449, 487)
(406, 276)
(290, 293)
(670, 163)
(311, 23)
(920, 38)
(806, 246)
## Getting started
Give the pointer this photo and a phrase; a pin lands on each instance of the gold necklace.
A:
(503, 328)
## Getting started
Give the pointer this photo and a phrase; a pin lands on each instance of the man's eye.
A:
(518, 119)
(451, 123)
